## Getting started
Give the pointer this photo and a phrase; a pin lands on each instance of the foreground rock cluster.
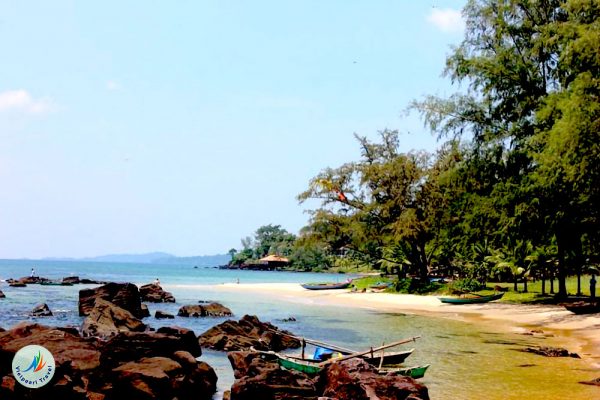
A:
(260, 377)
(114, 355)
(135, 365)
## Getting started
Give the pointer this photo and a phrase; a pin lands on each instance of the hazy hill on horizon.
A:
(153, 258)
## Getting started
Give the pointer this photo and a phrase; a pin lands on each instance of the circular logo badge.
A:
(33, 366)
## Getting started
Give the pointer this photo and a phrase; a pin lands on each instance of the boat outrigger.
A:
(472, 299)
(314, 366)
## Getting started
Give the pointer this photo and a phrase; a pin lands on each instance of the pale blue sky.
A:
(181, 126)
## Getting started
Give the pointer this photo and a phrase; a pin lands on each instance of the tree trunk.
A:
(552, 285)
(543, 283)
(516, 282)
(524, 284)
(562, 278)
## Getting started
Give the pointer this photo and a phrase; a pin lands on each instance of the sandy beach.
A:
(577, 333)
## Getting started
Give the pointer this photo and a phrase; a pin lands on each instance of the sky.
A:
(182, 126)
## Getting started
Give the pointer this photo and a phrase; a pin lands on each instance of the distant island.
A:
(153, 258)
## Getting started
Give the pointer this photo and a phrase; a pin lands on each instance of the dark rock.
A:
(71, 352)
(84, 372)
(289, 319)
(258, 377)
(17, 284)
(204, 310)
(550, 352)
(164, 378)
(145, 310)
(41, 310)
(124, 295)
(594, 382)
(128, 346)
(2, 295)
(71, 279)
(32, 280)
(245, 333)
(355, 379)
(107, 319)
(154, 293)
(163, 315)
(86, 281)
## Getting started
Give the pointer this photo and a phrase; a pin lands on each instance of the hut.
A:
(273, 262)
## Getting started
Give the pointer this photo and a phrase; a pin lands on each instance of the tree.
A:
(272, 239)
(387, 200)
(531, 69)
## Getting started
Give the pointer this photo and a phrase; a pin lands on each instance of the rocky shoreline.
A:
(115, 355)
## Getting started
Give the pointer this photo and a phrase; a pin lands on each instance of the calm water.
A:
(467, 361)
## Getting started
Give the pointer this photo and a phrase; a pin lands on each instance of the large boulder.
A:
(128, 346)
(73, 280)
(124, 295)
(154, 293)
(41, 310)
(164, 378)
(246, 333)
(69, 351)
(93, 369)
(2, 295)
(260, 377)
(107, 319)
(204, 310)
(355, 379)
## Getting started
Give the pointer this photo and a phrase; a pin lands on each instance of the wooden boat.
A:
(414, 372)
(392, 358)
(311, 366)
(380, 285)
(325, 286)
(307, 366)
(372, 357)
(582, 307)
(473, 299)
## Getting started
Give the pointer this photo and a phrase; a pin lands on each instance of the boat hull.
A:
(389, 358)
(326, 286)
(413, 372)
(470, 300)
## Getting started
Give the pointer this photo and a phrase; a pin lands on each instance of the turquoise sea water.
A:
(467, 361)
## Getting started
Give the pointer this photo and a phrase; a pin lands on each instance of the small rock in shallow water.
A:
(594, 382)
(162, 315)
(41, 310)
(550, 352)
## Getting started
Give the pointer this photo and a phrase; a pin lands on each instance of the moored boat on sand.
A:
(326, 285)
(472, 299)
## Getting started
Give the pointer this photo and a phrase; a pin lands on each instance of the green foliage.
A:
(466, 285)
(418, 286)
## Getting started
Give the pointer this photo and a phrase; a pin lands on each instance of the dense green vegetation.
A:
(512, 194)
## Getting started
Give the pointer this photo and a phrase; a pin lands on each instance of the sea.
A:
(468, 360)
